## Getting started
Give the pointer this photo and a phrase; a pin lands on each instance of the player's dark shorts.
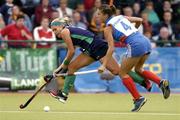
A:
(97, 50)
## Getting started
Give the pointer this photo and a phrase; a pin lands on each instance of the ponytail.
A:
(113, 9)
(67, 21)
(109, 10)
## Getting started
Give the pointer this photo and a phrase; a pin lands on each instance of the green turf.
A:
(89, 107)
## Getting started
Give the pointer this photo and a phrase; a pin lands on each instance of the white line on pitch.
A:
(99, 113)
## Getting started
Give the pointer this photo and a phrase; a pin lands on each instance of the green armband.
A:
(66, 62)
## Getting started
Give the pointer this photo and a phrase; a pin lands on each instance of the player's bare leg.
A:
(114, 68)
(126, 65)
(79, 62)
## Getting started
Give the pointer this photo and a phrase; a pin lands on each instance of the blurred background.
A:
(29, 49)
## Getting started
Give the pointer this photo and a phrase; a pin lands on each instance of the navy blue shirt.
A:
(85, 39)
(6, 11)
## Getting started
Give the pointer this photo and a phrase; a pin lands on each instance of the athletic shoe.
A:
(53, 93)
(164, 86)
(62, 97)
(138, 104)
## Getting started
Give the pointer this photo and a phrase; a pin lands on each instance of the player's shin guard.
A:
(68, 83)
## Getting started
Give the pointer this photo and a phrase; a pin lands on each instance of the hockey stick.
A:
(48, 78)
(78, 73)
(22, 106)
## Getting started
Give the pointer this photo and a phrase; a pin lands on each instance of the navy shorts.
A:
(138, 45)
(96, 53)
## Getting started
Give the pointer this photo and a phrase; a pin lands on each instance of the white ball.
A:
(46, 108)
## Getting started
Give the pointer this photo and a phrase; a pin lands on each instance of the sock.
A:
(151, 76)
(140, 80)
(136, 78)
(68, 83)
(128, 82)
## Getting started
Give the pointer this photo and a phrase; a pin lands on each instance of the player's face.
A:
(57, 30)
(101, 15)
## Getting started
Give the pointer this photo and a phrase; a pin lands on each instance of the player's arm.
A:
(65, 35)
(136, 20)
(108, 36)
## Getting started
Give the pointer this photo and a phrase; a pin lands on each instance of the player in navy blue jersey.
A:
(93, 49)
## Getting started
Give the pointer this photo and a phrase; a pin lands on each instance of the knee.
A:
(122, 74)
(138, 71)
(72, 68)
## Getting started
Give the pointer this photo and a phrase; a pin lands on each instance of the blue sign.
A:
(165, 62)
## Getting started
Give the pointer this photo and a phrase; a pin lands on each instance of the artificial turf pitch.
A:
(88, 107)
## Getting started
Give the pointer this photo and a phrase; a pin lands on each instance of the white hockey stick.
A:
(78, 73)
